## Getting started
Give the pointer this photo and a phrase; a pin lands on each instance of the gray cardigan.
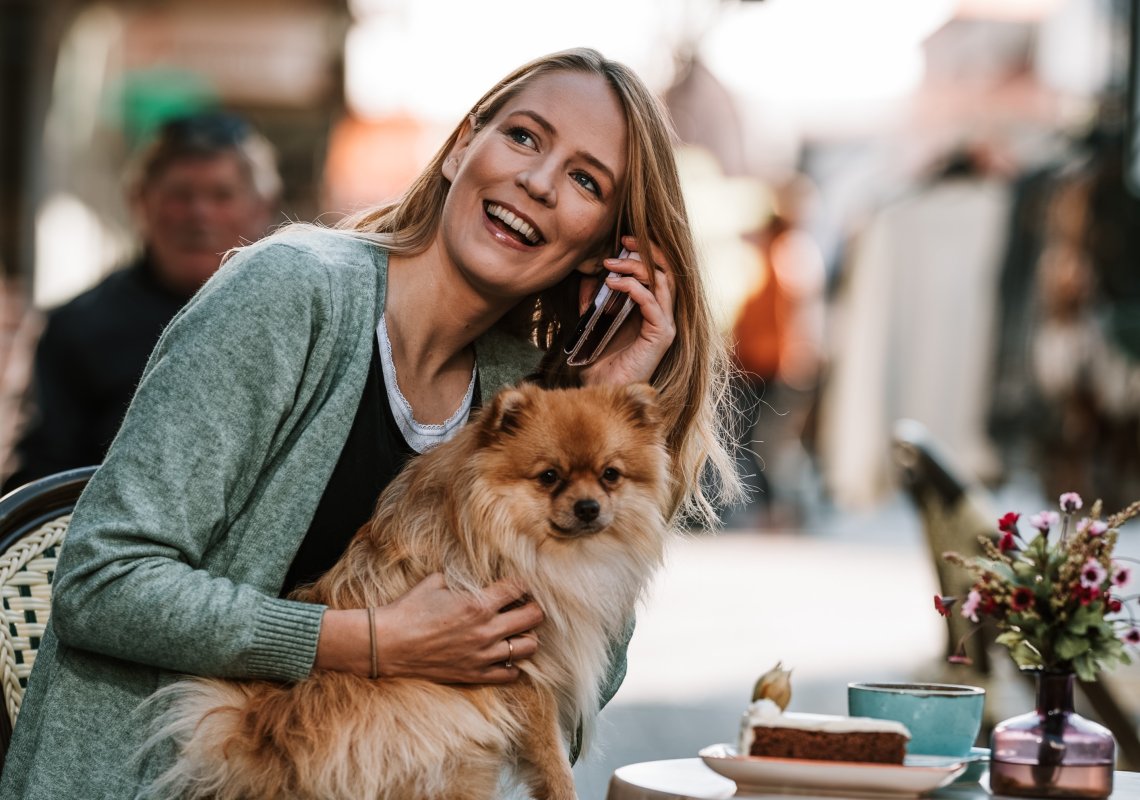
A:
(180, 543)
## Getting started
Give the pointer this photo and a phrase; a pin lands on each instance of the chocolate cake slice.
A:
(767, 731)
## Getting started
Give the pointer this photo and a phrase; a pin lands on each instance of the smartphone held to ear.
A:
(605, 314)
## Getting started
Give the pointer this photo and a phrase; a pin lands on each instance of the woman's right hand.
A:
(435, 633)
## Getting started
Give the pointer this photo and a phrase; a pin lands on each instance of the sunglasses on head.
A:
(212, 129)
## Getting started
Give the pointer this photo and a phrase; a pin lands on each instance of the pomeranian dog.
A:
(568, 492)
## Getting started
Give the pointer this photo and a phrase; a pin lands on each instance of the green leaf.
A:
(1069, 647)
(1085, 667)
(1111, 648)
(1002, 570)
(1025, 656)
(1026, 572)
(1010, 639)
(1083, 618)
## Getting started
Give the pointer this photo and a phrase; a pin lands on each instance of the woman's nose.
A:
(538, 182)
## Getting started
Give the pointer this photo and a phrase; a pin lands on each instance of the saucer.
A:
(977, 762)
(917, 775)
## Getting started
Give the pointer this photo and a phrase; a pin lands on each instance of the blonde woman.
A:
(313, 365)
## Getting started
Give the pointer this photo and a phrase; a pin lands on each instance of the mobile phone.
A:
(605, 314)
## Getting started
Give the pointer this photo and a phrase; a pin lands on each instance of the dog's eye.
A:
(610, 475)
(548, 478)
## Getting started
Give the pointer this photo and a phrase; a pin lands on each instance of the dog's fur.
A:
(479, 508)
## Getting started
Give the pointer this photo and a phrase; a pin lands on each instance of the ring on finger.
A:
(510, 654)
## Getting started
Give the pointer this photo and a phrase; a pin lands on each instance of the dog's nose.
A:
(587, 510)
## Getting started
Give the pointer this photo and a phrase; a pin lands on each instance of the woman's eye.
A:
(521, 136)
(610, 475)
(587, 183)
(548, 478)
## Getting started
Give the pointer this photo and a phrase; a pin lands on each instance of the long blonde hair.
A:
(692, 378)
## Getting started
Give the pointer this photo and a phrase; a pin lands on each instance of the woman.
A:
(250, 451)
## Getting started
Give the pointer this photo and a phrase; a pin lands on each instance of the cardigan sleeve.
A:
(222, 393)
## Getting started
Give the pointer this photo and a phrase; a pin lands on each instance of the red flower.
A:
(1022, 599)
(1086, 594)
(944, 604)
(989, 605)
(1008, 523)
(1007, 542)
(1133, 636)
(1114, 605)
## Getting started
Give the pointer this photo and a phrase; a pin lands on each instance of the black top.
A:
(373, 454)
(88, 362)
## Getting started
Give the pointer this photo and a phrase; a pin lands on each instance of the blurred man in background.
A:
(205, 184)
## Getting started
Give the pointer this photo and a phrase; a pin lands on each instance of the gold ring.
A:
(510, 653)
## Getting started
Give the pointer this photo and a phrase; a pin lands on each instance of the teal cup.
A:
(943, 719)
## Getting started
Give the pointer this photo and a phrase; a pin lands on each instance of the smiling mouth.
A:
(513, 225)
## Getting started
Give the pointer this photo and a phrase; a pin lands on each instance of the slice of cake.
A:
(767, 731)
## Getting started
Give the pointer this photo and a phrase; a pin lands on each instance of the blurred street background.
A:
(906, 210)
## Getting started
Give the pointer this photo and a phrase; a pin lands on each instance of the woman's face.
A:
(535, 192)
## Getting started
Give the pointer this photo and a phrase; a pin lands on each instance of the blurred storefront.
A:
(121, 68)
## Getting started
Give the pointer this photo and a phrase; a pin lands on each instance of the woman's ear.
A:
(455, 155)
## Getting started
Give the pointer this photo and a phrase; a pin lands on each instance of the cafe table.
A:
(690, 779)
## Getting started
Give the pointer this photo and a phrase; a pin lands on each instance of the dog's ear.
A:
(505, 414)
(640, 401)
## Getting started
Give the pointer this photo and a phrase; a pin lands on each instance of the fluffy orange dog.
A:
(564, 490)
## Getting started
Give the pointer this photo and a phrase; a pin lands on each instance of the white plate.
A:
(918, 774)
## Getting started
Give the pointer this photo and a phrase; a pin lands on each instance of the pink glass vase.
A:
(1053, 751)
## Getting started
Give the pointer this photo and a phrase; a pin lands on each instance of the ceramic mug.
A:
(943, 719)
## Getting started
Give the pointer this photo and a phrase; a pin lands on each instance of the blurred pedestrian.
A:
(777, 339)
(205, 184)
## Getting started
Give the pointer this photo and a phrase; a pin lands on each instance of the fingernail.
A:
(609, 262)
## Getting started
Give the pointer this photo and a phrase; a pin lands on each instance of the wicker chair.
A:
(33, 522)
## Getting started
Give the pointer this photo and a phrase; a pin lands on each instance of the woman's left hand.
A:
(635, 351)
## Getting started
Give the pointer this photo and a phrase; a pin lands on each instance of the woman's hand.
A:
(637, 348)
(435, 633)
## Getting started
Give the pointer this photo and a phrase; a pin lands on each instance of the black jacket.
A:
(87, 365)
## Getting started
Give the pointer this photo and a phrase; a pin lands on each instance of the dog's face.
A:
(571, 463)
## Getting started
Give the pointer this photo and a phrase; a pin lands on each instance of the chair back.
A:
(33, 522)
(954, 512)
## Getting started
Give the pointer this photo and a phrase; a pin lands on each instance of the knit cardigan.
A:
(179, 545)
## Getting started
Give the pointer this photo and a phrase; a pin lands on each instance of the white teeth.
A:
(514, 222)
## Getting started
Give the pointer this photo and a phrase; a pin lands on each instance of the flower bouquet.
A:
(1054, 591)
(1055, 594)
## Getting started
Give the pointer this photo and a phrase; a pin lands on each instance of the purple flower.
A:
(1132, 636)
(1093, 574)
(1094, 527)
(970, 607)
(1070, 502)
(1045, 520)
(1120, 574)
